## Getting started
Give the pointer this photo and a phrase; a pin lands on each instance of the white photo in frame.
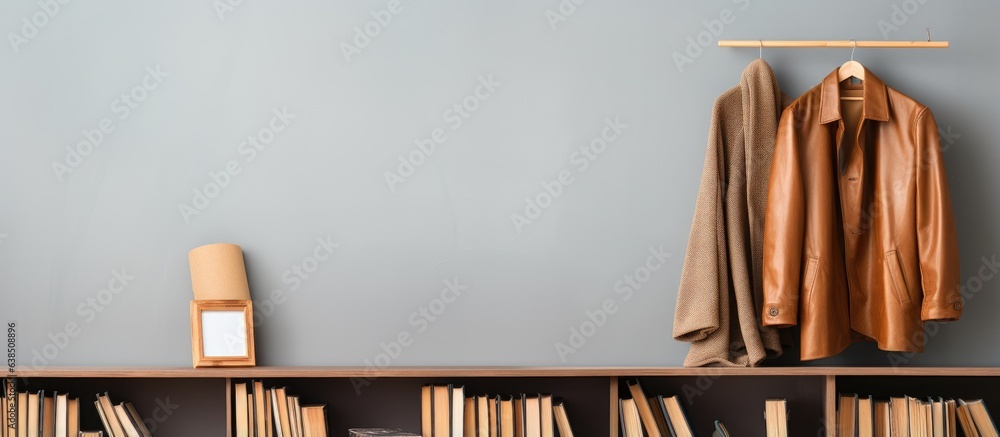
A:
(222, 333)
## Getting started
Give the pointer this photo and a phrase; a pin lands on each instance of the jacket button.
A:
(774, 312)
(958, 306)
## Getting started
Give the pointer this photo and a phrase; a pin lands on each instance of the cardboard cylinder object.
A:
(218, 272)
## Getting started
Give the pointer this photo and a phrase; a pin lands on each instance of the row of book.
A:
(659, 416)
(36, 415)
(274, 412)
(445, 411)
(908, 416)
(40, 414)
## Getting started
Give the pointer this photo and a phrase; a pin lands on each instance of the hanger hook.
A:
(854, 48)
(760, 49)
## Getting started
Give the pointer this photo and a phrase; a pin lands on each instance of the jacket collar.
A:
(874, 95)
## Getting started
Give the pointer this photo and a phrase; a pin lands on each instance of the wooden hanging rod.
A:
(753, 43)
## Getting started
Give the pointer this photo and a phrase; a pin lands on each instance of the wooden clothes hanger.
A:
(850, 69)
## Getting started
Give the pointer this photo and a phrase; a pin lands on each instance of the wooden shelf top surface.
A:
(474, 371)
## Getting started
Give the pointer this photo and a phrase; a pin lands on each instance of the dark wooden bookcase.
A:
(199, 401)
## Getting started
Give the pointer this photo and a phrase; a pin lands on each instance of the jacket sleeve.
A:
(783, 228)
(704, 278)
(937, 242)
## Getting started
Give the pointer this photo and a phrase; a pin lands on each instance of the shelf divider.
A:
(229, 407)
(614, 406)
(830, 405)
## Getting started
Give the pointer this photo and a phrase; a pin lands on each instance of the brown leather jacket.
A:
(859, 236)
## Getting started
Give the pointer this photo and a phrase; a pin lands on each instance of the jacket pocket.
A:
(809, 280)
(896, 273)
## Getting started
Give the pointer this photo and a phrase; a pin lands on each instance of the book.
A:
(34, 414)
(9, 408)
(645, 412)
(882, 426)
(457, 410)
(426, 412)
(9, 414)
(545, 415)
(532, 416)
(659, 415)
(295, 415)
(282, 422)
(61, 419)
(776, 417)
(951, 417)
(48, 425)
(965, 420)
(506, 417)
(899, 423)
(251, 411)
(379, 432)
(4, 406)
(483, 416)
(666, 418)
(103, 416)
(91, 434)
(260, 421)
(494, 412)
(298, 415)
(928, 416)
(676, 418)
(314, 421)
(470, 418)
(137, 420)
(720, 430)
(242, 417)
(519, 416)
(981, 418)
(866, 417)
(938, 417)
(275, 414)
(628, 413)
(131, 430)
(847, 409)
(270, 420)
(562, 421)
(442, 410)
(916, 413)
(22, 414)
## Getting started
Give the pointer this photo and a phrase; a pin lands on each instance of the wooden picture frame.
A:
(222, 333)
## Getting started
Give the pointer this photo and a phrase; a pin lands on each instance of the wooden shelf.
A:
(475, 371)
(205, 395)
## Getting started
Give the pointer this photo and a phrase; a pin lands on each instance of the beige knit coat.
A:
(721, 289)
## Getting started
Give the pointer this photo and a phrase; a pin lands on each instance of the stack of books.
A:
(55, 414)
(658, 416)
(909, 416)
(275, 413)
(119, 420)
(447, 412)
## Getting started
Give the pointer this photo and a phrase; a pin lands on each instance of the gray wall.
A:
(121, 208)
